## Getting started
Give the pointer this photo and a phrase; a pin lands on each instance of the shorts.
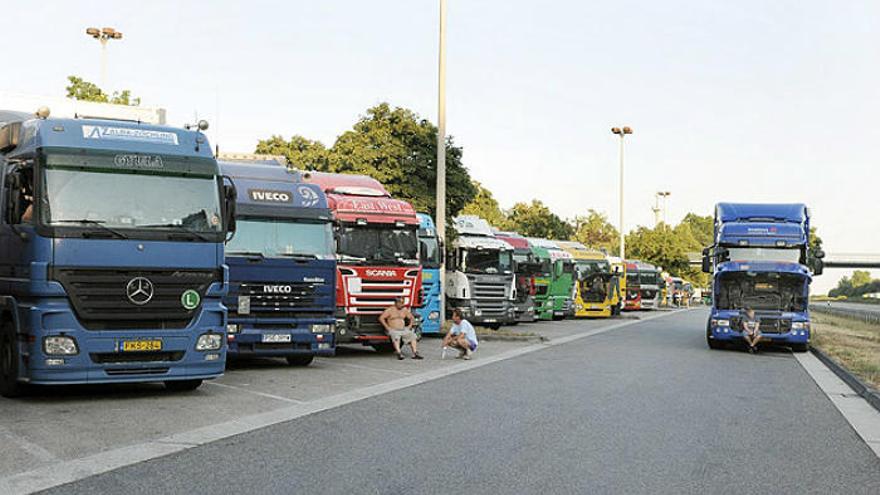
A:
(406, 335)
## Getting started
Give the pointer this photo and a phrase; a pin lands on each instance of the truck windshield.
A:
(379, 244)
(130, 201)
(487, 261)
(281, 237)
(632, 279)
(430, 252)
(649, 278)
(785, 255)
(585, 268)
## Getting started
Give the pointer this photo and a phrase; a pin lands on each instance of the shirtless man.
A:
(394, 319)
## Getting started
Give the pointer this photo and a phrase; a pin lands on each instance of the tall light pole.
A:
(665, 196)
(657, 209)
(440, 210)
(104, 35)
(621, 132)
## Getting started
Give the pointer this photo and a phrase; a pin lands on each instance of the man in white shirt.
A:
(461, 336)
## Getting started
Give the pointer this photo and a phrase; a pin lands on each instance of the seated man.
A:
(461, 336)
(397, 320)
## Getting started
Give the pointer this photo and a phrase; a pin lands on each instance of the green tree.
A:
(304, 154)
(701, 226)
(536, 220)
(80, 89)
(668, 248)
(860, 278)
(595, 231)
(485, 206)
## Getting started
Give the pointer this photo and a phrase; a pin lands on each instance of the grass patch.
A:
(854, 344)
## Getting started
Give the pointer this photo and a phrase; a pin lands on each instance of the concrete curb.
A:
(512, 338)
(864, 390)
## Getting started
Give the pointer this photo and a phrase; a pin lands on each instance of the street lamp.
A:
(621, 132)
(104, 35)
(440, 209)
(657, 209)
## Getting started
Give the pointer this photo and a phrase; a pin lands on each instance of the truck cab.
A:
(759, 260)
(633, 288)
(597, 287)
(282, 266)
(527, 268)
(111, 246)
(377, 254)
(649, 285)
(561, 289)
(480, 274)
(430, 252)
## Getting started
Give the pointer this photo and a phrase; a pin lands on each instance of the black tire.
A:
(182, 385)
(386, 348)
(10, 387)
(493, 326)
(800, 347)
(713, 344)
(300, 360)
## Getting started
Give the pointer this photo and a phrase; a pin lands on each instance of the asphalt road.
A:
(642, 409)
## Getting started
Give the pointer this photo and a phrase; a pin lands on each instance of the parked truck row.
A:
(129, 252)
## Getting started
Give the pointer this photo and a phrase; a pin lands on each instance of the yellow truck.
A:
(598, 287)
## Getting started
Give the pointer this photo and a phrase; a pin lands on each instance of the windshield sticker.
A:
(268, 196)
(128, 134)
(152, 162)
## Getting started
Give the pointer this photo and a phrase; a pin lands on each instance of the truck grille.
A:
(135, 357)
(648, 293)
(376, 295)
(301, 301)
(491, 297)
(767, 325)
(99, 299)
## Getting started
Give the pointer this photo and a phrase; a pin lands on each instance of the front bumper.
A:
(249, 342)
(101, 359)
(726, 334)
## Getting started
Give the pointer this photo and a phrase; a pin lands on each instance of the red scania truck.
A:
(377, 252)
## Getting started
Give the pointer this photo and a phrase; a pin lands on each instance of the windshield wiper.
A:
(179, 227)
(303, 256)
(350, 259)
(99, 223)
(250, 254)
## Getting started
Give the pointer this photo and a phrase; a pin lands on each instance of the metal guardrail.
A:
(852, 314)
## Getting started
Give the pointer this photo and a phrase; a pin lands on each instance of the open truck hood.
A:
(762, 286)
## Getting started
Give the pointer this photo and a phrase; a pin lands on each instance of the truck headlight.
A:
(233, 328)
(800, 325)
(434, 315)
(60, 345)
(321, 328)
(721, 323)
(209, 342)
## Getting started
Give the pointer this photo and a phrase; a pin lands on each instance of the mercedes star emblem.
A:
(139, 290)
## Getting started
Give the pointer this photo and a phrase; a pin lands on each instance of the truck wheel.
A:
(300, 360)
(494, 326)
(383, 348)
(800, 347)
(9, 385)
(713, 344)
(182, 385)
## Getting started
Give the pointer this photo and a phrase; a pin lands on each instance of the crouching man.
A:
(461, 336)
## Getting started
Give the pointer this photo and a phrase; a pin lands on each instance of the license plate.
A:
(141, 345)
(276, 338)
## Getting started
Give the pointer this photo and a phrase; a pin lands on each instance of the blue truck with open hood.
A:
(111, 253)
(761, 260)
(282, 266)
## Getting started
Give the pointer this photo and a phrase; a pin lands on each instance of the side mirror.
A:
(229, 196)
(819, 254)
(707, 263)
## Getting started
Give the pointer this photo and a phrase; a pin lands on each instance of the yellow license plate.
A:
(141, 345)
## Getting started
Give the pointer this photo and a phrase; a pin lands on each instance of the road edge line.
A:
(857, 411)
(81, 468)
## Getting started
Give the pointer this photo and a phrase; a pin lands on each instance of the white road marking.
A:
(31, 448)
(864, 419)
(102, 462)
(255, 392)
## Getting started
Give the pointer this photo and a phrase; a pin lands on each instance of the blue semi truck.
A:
(282, 266)
(430, 251)
(111, 253)
(761, 259)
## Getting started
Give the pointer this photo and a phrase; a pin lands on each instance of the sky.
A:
(729, 101)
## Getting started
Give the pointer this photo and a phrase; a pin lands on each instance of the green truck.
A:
(556, 301)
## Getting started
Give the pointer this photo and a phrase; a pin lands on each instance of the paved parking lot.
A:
(64, 424)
